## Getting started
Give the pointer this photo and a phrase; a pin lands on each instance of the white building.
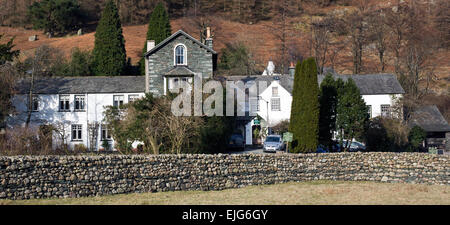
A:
(71, 104)
(273, 104)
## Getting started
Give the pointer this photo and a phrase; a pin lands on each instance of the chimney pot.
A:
(292, 69)
(150, 45)
(208, 32)
(208, 40)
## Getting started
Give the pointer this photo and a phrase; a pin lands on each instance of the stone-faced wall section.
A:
(199, 60)
(24, 177)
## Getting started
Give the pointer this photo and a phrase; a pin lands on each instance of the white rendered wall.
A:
(48, 113)
(377, 100)
(285, 105)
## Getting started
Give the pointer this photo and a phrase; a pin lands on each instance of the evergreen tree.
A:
(56, 16)
(109, 50)
(305, 108)
(295, 125)
(416, 137)
(327, 116)
(6, 52)
(80, 63)
(158, 29)
(352, 113)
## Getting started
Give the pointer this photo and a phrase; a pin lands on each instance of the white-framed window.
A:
(64, 103)
(176, 81)
(275, 91)
(132, 98)
(275, 104)
(180, 54)
(118, 100)
(77, 131)
(35, 103)
(369, 108)
(80, 103)
(385, 110)
(106, 134)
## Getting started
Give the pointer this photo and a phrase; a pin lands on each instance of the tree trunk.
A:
(30, 100)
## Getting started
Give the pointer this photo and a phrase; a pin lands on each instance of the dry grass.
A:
(308, 193)
(258, 37)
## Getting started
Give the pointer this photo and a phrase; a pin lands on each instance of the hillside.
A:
(259, 37)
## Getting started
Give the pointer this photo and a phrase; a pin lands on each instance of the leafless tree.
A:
(415, 62)
(282, 31)
(396, 23)
(40, 64)
(61, 130)
(378, 34)
(356, 24)
(321, 40)
(179, 130)
(336, 47)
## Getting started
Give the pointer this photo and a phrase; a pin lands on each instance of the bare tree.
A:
(396, 23)
(336, 46)
(356, 23)
(281, 29)
(415, 62)
(378, 34)
(179, 130)
(61, 129)
(40, 64)
(321, 40)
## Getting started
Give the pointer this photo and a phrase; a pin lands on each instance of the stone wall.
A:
(24, 177)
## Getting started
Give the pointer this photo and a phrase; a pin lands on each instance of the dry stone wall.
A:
(25, 177)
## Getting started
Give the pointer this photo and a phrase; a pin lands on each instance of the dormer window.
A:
(180, 55)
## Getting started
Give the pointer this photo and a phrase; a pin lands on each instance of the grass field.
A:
(317, 192)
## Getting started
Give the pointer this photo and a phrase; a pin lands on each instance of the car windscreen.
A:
(273, 139)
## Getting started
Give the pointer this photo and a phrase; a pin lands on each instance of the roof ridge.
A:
(180, 31)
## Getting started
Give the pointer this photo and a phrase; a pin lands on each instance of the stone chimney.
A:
(208, 40)
(292, 69)
(150, 45)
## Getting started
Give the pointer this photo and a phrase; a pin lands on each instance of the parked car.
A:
(357, 146)
(321, 149)
(236, 142)
(354, 146)
(273, 143)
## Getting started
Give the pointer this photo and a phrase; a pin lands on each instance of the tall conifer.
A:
(305, 108)
(158, 29)
(327, 115)
(109, 50)
(295, 124)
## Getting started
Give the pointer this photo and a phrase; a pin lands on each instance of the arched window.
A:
(180, 55)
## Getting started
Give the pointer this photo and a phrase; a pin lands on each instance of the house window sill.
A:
(79, 110)
(77, 140)
(68, 110)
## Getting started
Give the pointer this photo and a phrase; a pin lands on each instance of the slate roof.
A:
(180, 71)
(174, 35)
(430, 119)
(286, 81)
(372, 84)
(80, 85)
